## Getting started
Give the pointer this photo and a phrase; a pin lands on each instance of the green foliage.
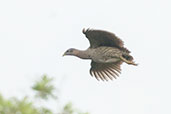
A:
(69, 109)
(6, 106)
(23, 106)
(44, 89)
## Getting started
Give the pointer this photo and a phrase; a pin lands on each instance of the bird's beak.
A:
(63, 54)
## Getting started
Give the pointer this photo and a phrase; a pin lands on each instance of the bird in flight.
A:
(106, 52)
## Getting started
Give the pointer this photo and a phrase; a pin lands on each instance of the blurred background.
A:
(34, 34)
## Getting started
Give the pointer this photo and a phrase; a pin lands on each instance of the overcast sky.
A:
(35, 33)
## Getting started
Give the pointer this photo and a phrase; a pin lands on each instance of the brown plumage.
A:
(107, 53)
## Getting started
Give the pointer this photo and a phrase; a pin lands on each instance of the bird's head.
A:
(70, 51)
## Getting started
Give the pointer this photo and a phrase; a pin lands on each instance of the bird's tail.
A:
(128, 59)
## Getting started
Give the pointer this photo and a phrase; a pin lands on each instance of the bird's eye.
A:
(69, 50)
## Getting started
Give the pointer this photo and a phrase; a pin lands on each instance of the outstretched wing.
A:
(105, 71)
(102, 38)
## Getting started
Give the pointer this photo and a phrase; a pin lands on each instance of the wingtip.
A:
(84, 30)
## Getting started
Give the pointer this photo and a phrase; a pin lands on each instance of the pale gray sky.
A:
(34, 34)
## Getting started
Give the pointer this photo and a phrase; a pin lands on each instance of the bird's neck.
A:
(83, 54)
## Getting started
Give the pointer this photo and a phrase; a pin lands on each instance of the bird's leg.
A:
(128, 62)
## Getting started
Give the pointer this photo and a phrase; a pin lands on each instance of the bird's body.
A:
(106, 52)
(101, 54)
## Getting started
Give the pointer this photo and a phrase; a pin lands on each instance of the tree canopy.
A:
(43, 89)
